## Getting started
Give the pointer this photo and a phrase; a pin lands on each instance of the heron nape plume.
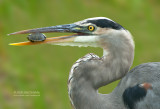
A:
(91, 72)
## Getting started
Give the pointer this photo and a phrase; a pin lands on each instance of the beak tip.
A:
(14, 44)
(11, 44)
(19, 32)
(9, 34)
(12, 34)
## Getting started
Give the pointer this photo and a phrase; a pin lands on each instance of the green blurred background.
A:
(45, 68)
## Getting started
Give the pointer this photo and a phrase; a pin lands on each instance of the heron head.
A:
(88, 32)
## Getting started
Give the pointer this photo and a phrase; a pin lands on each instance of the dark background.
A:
(45, 68)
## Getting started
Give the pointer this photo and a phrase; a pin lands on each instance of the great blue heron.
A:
(91, 72)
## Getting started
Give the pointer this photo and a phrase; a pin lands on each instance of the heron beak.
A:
(69, 28)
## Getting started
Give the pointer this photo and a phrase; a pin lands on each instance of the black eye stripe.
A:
(105, 23)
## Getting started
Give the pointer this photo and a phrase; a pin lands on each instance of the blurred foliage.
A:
(45, 68)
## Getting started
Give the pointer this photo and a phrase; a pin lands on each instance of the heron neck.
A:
(118, 55)
(91, 75)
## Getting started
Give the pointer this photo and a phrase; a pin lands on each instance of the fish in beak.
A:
(77, 39)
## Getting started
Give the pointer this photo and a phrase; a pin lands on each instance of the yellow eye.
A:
(91, 27)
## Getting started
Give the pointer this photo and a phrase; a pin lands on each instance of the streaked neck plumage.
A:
(91, 72)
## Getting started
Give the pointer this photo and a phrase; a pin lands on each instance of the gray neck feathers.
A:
(119, 49)
(95, 72)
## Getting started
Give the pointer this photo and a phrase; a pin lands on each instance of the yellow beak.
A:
(67, 38)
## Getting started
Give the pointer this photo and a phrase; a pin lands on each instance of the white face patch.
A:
(81, 41)
(72, 44)
(85, 39)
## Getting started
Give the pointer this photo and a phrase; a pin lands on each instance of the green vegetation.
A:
(45, 68)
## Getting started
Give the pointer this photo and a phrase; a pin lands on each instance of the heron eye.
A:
(91, 27)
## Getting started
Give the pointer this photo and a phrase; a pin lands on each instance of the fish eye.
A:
(91, 28)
